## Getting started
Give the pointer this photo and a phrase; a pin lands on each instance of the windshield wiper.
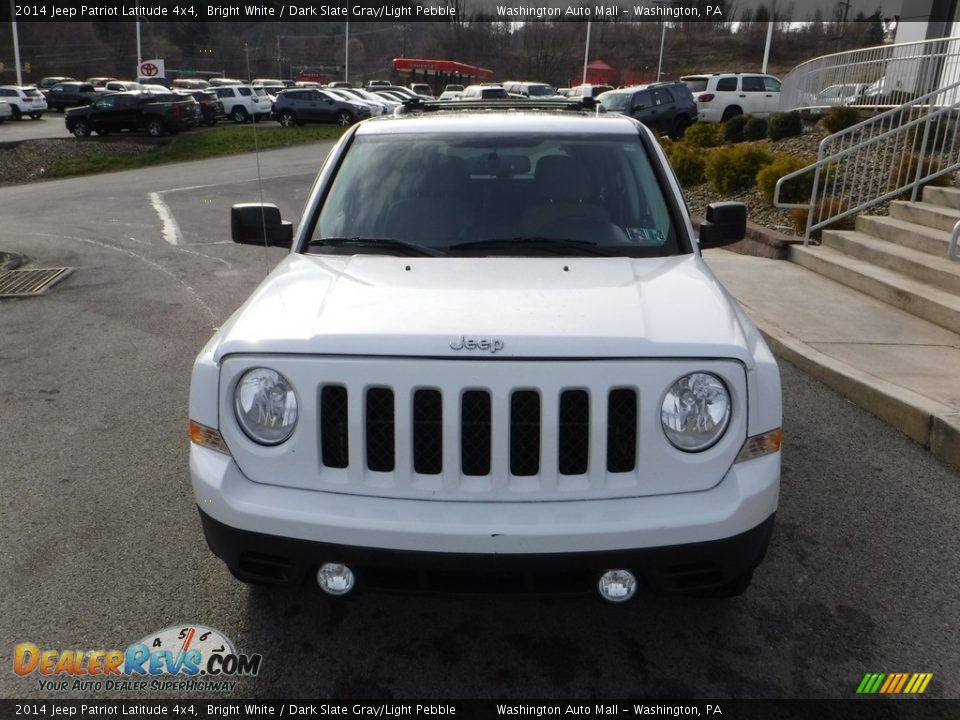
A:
(548, 244)
(374, 242)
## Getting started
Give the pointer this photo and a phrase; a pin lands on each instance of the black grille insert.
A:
(428, 432)
(380, 431)
(525, 432)
(475, 433)
(333, 426)
(621, 430)
(574, 432)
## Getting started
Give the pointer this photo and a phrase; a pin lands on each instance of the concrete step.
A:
(937, 272)
(896, 289)
(943, 196)
(923, 213)
(905, 234)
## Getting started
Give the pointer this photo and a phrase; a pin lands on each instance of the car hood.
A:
(375, 305)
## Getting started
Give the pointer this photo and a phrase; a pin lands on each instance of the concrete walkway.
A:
(901, 368)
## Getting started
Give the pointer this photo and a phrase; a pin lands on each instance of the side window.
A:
(224, 92)
(727, 84)
(771, 84)
(753, 83)
(6, 93)
(642, 100)
(662, 97)
(246, 92)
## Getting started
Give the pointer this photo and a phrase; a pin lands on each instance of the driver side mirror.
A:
(725, 224)
(259, 224)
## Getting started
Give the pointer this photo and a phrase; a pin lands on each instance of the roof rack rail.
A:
(575, 105)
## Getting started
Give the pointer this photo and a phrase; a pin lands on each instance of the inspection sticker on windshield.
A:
(646, 236)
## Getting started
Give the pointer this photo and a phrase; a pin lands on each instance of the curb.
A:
(935, 426)
(760, 241)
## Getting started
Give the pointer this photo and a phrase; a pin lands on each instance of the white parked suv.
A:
(493, 358)
(721, 96)
(23, 101)
(241, 103)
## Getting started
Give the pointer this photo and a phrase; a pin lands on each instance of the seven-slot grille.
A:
(474, 426)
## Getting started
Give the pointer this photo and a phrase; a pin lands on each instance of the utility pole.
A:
(766, 50)
(16, 44)
(846, 8)
(586, 54)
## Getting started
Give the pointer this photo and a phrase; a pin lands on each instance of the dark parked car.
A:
(211, 109)
(48, 82)
(662, 107)
(303, 105)
(71, 94)
(114, 112)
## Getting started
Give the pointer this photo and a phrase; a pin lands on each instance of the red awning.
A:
(441, 66)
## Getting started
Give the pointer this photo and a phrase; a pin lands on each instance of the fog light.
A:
(617, 585)
(335, 579)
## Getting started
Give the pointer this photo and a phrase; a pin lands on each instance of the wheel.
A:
(15, 112)
(344, 118)
(287, 120)
(240, 115)
(36, 116)
(730, 112)
(80, 128)
(679, 127)
(154, 127)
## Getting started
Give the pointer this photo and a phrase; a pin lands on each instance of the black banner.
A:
(859, 709)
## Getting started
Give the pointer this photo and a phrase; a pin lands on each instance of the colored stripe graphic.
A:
(894, 683)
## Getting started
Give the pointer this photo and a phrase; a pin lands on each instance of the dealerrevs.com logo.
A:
(186, 657)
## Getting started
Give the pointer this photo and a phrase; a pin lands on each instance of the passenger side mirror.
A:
(258, 224)
(726, 223)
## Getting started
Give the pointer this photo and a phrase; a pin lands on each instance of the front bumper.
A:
(279, 534)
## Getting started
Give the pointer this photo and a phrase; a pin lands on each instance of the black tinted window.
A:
(726, 84)
(752, 83)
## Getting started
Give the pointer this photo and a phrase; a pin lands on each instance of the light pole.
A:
(663, 37)
(766, 49)
(139, 51)
(16, 44)
(346, 53)
(586, 54)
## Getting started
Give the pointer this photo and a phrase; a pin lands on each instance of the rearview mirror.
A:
(726, 223)
(259, 224)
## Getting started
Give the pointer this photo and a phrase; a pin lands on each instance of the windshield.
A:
(615, 102)
(443, 191)
(541, 90)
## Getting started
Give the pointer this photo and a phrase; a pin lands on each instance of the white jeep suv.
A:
(721, 96)
(494, 358)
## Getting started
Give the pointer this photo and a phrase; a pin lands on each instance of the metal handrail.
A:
(872, 161)
(896, 73)
(952, 248)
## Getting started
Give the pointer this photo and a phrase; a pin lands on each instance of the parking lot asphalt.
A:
(101, 544)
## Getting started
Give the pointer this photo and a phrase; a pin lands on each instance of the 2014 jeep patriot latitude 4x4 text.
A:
(495, 358)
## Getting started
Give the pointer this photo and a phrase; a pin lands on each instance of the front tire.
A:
(344, 118)
(678, 128)
(154, 128)
(240, 115)
(287, 120)
(80, 128)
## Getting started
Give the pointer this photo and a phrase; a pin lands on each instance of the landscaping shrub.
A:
(755, 129)
(840, 118)
(729, 169)
(904, 169)
(733, 129)
(783, 125)
(796, 190)
(704, 135)
(825, 206)
(688, 163)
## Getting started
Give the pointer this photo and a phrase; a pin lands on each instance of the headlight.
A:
(266, 406)
(695, 412)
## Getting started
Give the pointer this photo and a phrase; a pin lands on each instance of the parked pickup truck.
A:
(132, 111)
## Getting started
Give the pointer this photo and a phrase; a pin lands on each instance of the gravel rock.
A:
(31, 160)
